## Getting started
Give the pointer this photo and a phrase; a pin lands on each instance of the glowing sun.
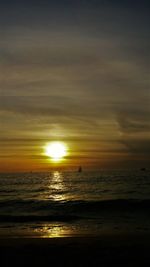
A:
(56, 150)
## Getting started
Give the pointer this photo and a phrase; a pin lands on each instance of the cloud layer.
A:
(79, 75)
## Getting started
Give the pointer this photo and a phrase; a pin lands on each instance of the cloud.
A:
(134, 126)
(80, 75)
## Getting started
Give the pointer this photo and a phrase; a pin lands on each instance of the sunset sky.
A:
(76, 72)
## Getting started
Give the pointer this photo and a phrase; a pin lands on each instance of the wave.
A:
(36, 218)
(71, 208)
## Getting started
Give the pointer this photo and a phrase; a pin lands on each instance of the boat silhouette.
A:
(80, 169)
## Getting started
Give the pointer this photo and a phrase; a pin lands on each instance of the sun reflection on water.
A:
(57, 192)
(57, 186)
(51, 231)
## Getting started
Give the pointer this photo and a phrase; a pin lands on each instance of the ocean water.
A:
(57, 204)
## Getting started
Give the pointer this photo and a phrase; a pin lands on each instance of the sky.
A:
(76, 72)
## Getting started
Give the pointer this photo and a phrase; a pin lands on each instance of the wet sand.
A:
(105, 250)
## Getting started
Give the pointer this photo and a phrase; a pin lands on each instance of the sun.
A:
(56, 151)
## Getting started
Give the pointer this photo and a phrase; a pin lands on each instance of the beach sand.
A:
(104, 250)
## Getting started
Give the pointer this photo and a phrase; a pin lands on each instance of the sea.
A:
(62, 204)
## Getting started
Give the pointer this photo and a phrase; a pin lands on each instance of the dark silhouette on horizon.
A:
(80, 169)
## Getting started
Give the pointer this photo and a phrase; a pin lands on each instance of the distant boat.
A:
(80, 169)
(143, 169)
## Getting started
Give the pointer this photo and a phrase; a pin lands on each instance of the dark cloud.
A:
(134, 125)
(138, 146)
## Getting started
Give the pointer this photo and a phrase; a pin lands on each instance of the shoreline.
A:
(103, 250)
(132, 238)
